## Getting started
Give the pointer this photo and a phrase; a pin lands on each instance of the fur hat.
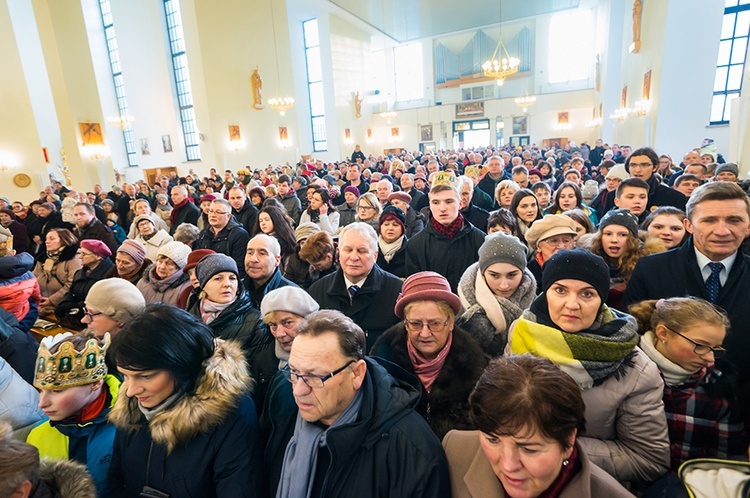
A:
(426, 286)
(212, 264)
(176, 251)
(395, 214)
(117, 298)
(577, 264)
(549, 226)
(728, 167)
(195, 256)
(502, 248)
(354, 190)
(134, 249)
(304, 230)
(97, 247)
(289, 299)
(621, 217)
(402, 196)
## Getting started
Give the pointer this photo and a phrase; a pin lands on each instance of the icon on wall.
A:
(394, 132)
(166, 142)
(145, 151)
(563, 118)
(426, 133)
(91, 134)
(520, 125)
(283, 133)
(234, 133)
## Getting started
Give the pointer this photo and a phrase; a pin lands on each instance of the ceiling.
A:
(406, 20)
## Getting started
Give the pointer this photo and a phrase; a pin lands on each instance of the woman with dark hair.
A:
(185, 425)
(529, 414)
(581, 220)
(321, 211)
(257, 195)
(56, 267)
(568, 196)
(525, 208)
(274, 221)
(48, 217)
(392, 241)
(570, 324)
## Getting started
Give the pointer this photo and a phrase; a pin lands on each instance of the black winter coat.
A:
(277, 427)
(189, 213)
(75, 298)
(246, 216)
(477, 216)
(231, 240)
(446, 406)
(98, 231)
(371, 308)
(429, 250)
(414, 223)
(676, 273)
(658, 195)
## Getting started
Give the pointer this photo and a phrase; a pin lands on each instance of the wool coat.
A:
(55, 283)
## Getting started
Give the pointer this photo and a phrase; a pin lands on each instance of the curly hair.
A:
(625, 263)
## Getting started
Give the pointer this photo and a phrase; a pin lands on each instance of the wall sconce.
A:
(348, 136)
(641, 108)
(620, 114)
(284, 137)
(8, 162)
(369, 136)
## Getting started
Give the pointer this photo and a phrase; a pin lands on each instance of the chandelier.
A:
(121, 122)
(281, 104)
(388, 114)
(501, 65)
(525, 102)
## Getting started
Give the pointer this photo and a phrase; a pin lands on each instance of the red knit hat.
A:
(195, 256)
(426, 286)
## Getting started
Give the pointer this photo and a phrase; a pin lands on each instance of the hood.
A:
(224, 380)
(15, 266)
(69, 478)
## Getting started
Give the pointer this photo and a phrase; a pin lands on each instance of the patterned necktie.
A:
(353, 290)
(713, 284)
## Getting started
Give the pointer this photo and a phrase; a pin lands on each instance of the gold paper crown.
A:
(444, 178)
(69, 367)
(472, 171)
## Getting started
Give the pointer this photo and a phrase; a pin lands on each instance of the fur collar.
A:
(225, 379)
(68, 478)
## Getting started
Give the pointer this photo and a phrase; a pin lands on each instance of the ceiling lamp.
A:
(121, 122)
(501, 65)
(388, 114)
(281, 104)
(525, 102)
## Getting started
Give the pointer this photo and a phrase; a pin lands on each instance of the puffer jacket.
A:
(165, 290)
(206, 444)
(19, 402)
(18, 285)
(56, 282)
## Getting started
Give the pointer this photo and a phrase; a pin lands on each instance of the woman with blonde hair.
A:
(369, 210)
(504, 192)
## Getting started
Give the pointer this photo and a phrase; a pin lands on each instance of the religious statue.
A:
(635, 47)
(257, 84)
(358, 105)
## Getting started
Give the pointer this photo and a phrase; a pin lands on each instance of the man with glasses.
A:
(353, 418)
(223, 234)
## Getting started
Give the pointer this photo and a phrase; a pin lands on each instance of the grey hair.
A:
(181, 189)
(271, 243)
(363, 229)
(186, 233)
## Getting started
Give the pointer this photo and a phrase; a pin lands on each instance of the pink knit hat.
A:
(426, 286)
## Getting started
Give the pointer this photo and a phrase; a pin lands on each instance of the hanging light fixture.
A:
(121, 122)
(281, 104)
(525, 102)
(501, 65)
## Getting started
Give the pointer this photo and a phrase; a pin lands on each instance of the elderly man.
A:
(243, 210)
(709, 265)
(375, 443)
(89, 227)
(449, 243)
(494, 175)
(223, 234)
(418, 198)
(262, 259)
(184, 210)
(384, 189)
(360, 288)
(414, 221)
(476, 215)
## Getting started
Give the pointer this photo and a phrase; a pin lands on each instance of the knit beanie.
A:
(395, 214)
(618, 171)
(728, 167)
(116, 298)
(134, 249)
(176, 251)
(577, 264)
(142, 217)
(427, 286)
(97, 247)
(621, 217)
(289, 299)
(213, 264)
(304, 230)
(502, 248)
(195, 256)
(354, 190)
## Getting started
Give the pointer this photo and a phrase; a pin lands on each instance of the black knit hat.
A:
(577, 264)
(621, 217)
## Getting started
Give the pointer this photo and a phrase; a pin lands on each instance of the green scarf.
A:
(590, 356)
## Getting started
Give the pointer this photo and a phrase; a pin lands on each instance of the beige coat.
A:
(472, 475)
(56, 283)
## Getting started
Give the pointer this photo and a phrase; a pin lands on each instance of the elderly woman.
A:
(392, 241)
(225, 306)
(569, 323)
(148, 235)
(111, 304)
(504, 192)
(183, 402)
(130, 262)
(530, 415)
(141, 207)
(95, 264)
(495, 291)
(369, 210)
(164, 281)
(55, 267)
(546, 237)
(447, 360)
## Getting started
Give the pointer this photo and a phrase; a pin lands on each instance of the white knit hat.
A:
(176, 251)
(117, 298)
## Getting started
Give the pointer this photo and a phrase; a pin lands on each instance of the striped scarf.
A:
(590, 356)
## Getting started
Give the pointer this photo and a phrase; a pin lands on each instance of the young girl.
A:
(76, 393)
(667, 223)
(618, 242)
(683, 336)
(568, 196)
(525, 207)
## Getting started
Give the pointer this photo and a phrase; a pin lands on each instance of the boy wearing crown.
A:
(76, 393)
(449, 243)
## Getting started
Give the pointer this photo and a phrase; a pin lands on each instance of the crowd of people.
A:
(568, 322)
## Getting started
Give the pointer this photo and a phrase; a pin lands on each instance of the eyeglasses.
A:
(365, 208)
(213, 211)
(556, 241)
(311, 380)
(417, 326)
(89, 314)
(641, 165)
(702, 349)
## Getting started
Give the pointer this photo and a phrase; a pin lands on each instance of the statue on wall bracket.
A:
(358, 105)
(635, 47)
(257, 85)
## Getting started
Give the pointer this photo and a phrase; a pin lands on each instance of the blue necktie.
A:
(353, 290)
(713, 284)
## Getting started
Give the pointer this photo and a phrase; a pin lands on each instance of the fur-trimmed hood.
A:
(651, 245)
(224, 380)
(68, 478)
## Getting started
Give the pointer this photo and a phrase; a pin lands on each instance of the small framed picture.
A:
(144, 147)
(426, 133)
(520, 125)
(166, 142)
